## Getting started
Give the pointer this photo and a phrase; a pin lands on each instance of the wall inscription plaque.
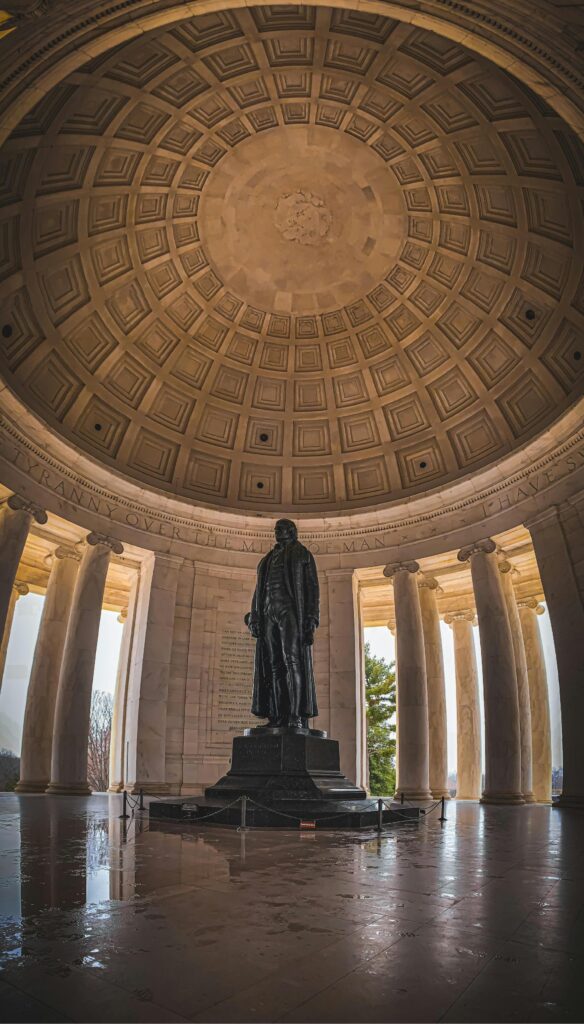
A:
(235, 682)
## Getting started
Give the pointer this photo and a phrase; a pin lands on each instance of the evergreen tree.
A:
(380, 700)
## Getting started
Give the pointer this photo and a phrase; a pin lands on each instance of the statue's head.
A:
(285, 531)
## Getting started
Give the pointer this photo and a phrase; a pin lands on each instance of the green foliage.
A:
(380, 701)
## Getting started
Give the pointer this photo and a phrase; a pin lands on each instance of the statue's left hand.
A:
(309, 632)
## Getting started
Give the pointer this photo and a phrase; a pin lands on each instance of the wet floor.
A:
(479, 919)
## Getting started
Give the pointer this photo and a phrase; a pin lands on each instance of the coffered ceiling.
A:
(292, 258)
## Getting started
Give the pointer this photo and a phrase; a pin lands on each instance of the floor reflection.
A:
(481, 918)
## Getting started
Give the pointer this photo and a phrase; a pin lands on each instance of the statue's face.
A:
(285, 531)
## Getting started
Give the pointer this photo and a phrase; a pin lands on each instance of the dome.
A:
(292, 258)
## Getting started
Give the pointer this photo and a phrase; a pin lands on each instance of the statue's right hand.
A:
(252, 624)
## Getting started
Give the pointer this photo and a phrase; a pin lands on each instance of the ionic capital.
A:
(93, 539)
(483, 547)
(533, 604)
(391, 570)
(462, 616)
(21, 589)
(429, 583)
(18, 504)
(64, 551)
(123, 615)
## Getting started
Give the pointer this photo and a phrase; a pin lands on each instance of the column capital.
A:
(393, 568)
(462, 616)
(484, 547)
(21, 589)
(429, 583)
(505, 566)
(123, 615)
(93, 539)
(19, 504)
(66, 551)
(533, 604)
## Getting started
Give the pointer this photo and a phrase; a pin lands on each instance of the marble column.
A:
(346, 682)
(502, 731)
(468, 718)
(117, 762)
(437, 727)
(147, 700)
(412, 716)
(71, 724)
(18, 590)
(557, 541)
(41, 698)
(16, 515)
(506, 570)
(539, 700)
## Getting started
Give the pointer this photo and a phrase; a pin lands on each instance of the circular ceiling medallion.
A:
(303, 217)
(323, 191)
(292, 259)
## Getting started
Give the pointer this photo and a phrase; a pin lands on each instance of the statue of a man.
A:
(284, 615)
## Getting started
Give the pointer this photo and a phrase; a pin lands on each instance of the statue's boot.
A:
(295, 684)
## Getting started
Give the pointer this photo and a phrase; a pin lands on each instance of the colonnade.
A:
(516, 707)
(56, 718)
(516, 704)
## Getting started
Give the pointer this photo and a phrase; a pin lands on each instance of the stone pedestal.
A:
(285, 766)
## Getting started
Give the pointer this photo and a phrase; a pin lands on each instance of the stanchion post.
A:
(124, 813)
(243, 822)
(442, 810)
(141, 804)
(379, 815)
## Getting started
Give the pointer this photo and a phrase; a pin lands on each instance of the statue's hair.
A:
(288, 522)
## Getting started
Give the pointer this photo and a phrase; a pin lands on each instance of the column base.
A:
(575, 802)
(148, 788)
(437, 794)
(28, 786)
(466, 796)
(56, 789)
(118, 787)
(514, 799)
(529, 798)
(414, 794)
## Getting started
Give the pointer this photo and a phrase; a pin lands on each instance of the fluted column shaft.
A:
(412, 701)
(468, 719)
(557, 541)
(539, 699)
(71, 729)
(502, 732)
(39, 715)
(16, 515)
(522, 681)
(18, 590)
(437, 725)
(117, 766)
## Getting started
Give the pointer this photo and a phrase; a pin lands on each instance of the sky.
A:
(26, 623)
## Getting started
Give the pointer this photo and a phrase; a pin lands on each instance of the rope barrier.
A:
(135, 803)
(244, 800)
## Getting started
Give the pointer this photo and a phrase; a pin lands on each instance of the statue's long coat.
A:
(302, 585)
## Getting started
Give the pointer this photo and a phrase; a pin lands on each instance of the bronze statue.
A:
(284, 615)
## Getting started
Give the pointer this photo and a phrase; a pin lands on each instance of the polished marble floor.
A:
(479, 919)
